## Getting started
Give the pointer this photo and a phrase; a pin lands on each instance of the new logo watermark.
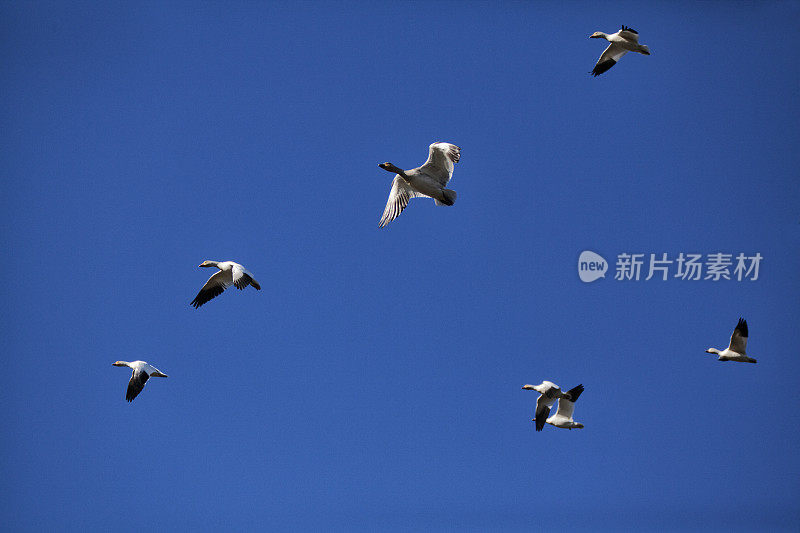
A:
(591, 266)
(716, 266)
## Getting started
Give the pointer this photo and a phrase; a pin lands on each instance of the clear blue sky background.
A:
(375, 380)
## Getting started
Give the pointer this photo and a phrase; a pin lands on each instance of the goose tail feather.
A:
(448, 197)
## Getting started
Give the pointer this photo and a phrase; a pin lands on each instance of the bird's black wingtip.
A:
(742, 327)
(575, 392)
(541, 419)
(602, 67)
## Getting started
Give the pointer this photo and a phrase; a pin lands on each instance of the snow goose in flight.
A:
(230, 273)
(563, 416)
(624, 41)
(736, 349)
(427, 181)
(141, 373)
(550, 392)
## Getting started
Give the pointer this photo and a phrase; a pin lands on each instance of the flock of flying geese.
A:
(430, 181)
(549, 392)
(230, 273)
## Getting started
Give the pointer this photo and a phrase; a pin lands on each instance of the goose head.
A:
(208, 264)
(597, 35)
(529, 387)
(391, 168)
(120, 363)
(712, 350)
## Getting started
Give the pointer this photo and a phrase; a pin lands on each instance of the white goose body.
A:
(426, 181)
(624, 41)
(566, 407)
(142, 371)
(550, 392)
(737, 348)
(230, 273)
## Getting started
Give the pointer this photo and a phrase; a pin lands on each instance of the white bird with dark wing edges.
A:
(230, 273)
(624, 41)
(736, 350)
(142, 371)
(549, 393)
(566, 407)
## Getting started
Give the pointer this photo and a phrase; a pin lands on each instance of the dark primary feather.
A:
(742, 327)
(602, 67)
(541, 417)
(136, 384)
(575, 392)
(625, 28)
(207, 294)
(246, 280)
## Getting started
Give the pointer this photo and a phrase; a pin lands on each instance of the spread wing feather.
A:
(608, 58)
(399, 197)
(136, 384)
(215, 286)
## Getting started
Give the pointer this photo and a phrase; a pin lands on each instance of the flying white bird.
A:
(624, 41)
(736, 349)
(563, 416)
(427, 181)
(230, 273)
(550, 392)
(141, 373)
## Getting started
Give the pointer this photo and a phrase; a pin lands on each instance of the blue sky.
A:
(374, 382)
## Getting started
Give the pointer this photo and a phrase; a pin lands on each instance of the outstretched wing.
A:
(739, 337)
(253, 282)
(242, 278)
(629, 34)
(608, 59)
(136, 384)
(238, 276)
(399, 197)
(567, 407)
(543, 405)
(441, 158)
(575, 392)
(215, 286)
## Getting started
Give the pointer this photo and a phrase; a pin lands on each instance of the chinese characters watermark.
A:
(685, 266)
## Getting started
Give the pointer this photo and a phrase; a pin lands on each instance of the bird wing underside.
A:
(399, 197)
(136, 384)
(215, 286)
(739, 337)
